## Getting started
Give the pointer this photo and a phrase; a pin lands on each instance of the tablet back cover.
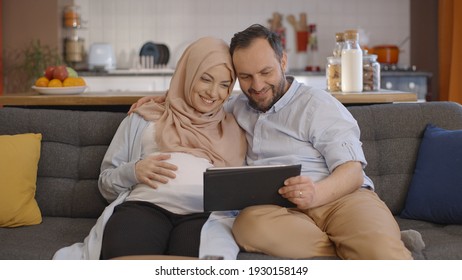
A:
(237, 188)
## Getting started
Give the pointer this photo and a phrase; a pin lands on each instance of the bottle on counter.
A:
(339, 41)
(334, 63)
(352, 63)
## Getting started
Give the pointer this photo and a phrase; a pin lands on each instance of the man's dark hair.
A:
(244, 38)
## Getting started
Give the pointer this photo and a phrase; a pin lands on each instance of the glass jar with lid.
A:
(333, 74)
(73, 49)
(371, 73)
(71, 16)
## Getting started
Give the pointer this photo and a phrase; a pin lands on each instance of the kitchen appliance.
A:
(101, 57)
(407, 79)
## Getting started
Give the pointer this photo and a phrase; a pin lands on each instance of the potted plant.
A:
(23, 66)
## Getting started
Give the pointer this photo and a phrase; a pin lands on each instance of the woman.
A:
(160, 213)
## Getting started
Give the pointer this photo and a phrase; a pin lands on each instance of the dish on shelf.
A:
(165, 54)
(150, 49)
(158, 52)
(60, 90)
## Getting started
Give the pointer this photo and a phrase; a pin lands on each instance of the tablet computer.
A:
(234, 188)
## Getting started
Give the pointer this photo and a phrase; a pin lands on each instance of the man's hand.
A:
(299, 190)
(302, 191)
(146, 99)
(153, 170)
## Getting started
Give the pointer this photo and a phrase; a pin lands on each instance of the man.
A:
(337, 213)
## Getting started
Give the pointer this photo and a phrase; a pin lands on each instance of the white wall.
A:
(128, 24)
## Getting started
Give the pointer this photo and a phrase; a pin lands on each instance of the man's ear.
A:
(284, 61)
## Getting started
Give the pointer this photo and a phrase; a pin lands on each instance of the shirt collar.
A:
(282, 102)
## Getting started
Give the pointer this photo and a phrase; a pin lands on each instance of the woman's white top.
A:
(181, 195)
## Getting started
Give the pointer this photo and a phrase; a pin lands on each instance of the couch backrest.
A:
(74, 143)
(391, 135)
(73, 146)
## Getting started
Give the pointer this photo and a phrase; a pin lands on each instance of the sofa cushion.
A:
(19, 157)
(435, 192)
(442, 242)
(40, 242)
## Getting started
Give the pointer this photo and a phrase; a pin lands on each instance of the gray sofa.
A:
(74, 143)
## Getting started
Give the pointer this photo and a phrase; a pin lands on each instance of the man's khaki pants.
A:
(356, 226)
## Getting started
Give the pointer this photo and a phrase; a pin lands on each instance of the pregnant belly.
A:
(182, 195)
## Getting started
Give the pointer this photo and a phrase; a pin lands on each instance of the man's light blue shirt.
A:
(306, 126)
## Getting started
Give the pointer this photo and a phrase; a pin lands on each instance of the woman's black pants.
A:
(142, 228)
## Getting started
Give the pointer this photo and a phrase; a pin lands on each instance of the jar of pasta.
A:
(333, 74)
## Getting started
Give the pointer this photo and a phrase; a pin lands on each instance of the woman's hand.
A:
(153, 170)
(146, 99)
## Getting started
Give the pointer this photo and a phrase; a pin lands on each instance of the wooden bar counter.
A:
(87, 98)
(128, 98)
(374, 97)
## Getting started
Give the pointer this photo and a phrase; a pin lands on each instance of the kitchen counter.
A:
(375, 97)
(87, 98)
(128, 98)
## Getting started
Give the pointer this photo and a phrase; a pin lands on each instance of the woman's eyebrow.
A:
(210, 76)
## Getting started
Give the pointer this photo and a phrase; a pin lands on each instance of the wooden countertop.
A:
(87, 98)
(128, 98)
(374, 97)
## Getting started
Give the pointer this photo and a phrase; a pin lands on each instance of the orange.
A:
(69, 82)
(42, 82)
(55, 83)
(73, 82)
(80, 81)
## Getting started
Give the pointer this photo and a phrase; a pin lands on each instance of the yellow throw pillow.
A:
(19, 157)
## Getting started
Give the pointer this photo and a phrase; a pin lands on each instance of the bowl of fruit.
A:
(60, 79)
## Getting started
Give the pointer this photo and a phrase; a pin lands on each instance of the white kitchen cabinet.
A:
(126, 83)
(317, 81)
(143, 83)
(129, 83)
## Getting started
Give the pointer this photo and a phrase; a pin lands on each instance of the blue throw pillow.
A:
(435, 193)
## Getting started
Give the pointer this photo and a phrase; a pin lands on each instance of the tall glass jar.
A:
(371, 73)
(339, 41)
(333, 74)
(352, 63)
(73, 49)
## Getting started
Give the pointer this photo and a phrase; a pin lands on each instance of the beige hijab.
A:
(180, 128)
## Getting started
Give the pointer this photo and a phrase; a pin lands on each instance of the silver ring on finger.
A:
(300, 194)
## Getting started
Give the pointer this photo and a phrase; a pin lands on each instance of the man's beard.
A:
(278, 92)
